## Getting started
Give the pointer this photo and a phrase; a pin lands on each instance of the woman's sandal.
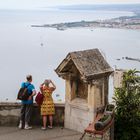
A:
(50, 127)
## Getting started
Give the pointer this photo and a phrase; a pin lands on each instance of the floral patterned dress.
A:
(47, 107)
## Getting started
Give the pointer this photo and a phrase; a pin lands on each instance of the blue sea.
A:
(38, 51)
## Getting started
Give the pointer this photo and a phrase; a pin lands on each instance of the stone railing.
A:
(9, 114)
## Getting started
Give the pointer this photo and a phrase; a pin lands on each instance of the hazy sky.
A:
(30, 4)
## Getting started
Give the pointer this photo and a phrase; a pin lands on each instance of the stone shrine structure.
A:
(86, 74)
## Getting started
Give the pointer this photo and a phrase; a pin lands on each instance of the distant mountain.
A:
(111, 7)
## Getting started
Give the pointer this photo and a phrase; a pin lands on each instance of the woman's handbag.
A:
(39, 98)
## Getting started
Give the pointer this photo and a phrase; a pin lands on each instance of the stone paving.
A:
(57, 133)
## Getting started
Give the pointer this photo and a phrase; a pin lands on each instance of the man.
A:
(27, 105)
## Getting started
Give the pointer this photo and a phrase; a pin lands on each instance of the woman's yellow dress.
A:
(47, 107)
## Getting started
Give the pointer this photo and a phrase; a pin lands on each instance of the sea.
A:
(38, 51)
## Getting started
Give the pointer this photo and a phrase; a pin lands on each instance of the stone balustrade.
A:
(9, 114)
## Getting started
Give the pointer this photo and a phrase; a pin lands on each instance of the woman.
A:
(47, 107)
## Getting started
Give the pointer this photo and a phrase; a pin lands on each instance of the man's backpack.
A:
(23, 93)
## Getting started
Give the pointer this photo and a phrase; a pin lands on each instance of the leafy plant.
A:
(127, 112)
(110, 107)
(105, 117)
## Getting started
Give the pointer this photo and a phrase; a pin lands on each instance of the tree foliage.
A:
(127, 113)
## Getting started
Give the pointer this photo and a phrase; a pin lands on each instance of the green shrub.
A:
(127, 112)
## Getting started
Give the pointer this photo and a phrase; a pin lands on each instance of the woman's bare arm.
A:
(54, 87)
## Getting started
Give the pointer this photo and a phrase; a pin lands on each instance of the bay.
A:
(38, 51)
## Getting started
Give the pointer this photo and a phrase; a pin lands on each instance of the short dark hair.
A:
(29, 77)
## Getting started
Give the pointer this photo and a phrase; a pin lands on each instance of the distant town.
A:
(124, 22)
(127, 22)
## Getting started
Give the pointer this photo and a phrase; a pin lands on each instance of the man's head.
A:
(29, 78)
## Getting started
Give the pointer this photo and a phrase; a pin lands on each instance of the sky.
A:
(33, 4)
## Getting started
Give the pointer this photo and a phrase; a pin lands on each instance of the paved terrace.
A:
(57, 133)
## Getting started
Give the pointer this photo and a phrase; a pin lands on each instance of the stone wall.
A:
(9, 114)
(118, 77)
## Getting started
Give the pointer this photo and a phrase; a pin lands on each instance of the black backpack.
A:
(23, 93)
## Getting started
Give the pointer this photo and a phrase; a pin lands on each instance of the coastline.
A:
(122, 22)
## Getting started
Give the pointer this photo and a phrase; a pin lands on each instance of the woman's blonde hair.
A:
(46, 82)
